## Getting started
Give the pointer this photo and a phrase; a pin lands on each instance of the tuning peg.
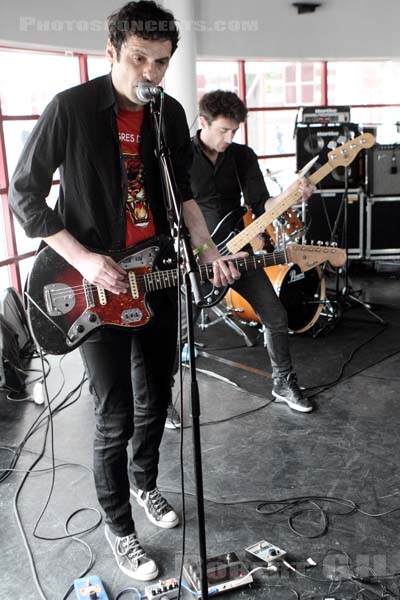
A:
(312, 243)
(334, 244)
(332, 145)
(327, 244)
(319, 243)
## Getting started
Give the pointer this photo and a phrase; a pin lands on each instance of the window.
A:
(363, 82)
(97, 66)
(271, 132)
(282, 84)
(274, 92)
(28, 81)
(214, 75)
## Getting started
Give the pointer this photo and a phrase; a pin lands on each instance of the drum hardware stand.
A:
(226, 317)
(345, 296)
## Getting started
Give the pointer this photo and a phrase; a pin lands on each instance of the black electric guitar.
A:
(226, 229)
(64, 308)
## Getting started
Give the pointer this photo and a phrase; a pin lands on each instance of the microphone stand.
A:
(191, 285)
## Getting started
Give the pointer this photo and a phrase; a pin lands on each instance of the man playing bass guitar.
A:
(222, 171)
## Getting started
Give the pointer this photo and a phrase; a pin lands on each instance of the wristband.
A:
(200, 249)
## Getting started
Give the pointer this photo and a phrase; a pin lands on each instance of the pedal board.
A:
(89, 588)
(165, 588)
(265, 551)
(224, 572)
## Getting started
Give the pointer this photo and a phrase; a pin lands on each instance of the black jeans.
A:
(130, 377)
(257, 289)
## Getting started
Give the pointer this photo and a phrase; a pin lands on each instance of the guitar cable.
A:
(30, 299)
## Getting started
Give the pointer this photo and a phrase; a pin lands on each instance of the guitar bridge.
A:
(59, 299)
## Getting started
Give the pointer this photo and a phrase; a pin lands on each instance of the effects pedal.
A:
(165, 588)
(224, 572)
(89, 588)
(265, 551)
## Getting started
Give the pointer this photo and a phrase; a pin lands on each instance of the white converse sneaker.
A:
(131, 557)
(158, 511)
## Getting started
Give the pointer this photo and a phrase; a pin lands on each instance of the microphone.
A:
(146, 92)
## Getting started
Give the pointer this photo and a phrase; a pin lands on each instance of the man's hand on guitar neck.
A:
(225, 272)
(305, 187)
(98, 269)
(302, 185)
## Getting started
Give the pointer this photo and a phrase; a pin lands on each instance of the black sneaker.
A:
(173, 420)
(286, 389)
(131, 557)
(158, 511)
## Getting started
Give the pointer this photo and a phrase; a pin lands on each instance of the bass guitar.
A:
(342, 156)
(231, 238)
(64, 308)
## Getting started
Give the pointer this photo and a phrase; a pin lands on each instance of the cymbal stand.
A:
(345, 295)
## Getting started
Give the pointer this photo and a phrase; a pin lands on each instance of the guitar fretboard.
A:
(159, 280)
(342, 156)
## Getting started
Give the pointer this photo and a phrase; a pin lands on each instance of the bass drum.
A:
(301, 294)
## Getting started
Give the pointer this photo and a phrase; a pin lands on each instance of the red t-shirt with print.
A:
(139, 217)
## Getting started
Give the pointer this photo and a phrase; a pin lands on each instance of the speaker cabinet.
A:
(316, 139)
(383, 228)
(384, 170)
(324, 220)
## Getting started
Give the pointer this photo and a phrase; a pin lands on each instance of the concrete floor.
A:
(341, 461)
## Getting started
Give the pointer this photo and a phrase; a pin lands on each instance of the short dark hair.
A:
(144, 18)
(222, 103)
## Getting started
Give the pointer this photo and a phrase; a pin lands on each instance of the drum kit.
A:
(303, 294)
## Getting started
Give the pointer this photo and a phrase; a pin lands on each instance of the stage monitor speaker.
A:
(322, 211)
(384, 170)
(320, 139)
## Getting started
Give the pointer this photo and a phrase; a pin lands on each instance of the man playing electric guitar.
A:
(223, 171)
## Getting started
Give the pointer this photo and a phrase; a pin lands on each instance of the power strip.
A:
(265, 551)
(165, 588)
(89, 588)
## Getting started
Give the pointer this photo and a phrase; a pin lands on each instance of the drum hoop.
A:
(282, 271)
(319, 309)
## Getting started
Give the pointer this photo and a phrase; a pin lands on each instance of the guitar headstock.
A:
(308, 257)
(342, 156)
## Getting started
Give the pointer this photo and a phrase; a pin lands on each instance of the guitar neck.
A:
(159, 280)
(249, 263)
(262, 222)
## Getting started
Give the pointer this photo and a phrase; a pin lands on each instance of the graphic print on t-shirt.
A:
(137, 206)
(139, 218)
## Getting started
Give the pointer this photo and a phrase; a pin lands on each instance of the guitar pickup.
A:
(133, 285)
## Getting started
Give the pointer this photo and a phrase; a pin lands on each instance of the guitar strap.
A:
(238, 177)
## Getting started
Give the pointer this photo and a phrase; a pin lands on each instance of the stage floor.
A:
(336, 468)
